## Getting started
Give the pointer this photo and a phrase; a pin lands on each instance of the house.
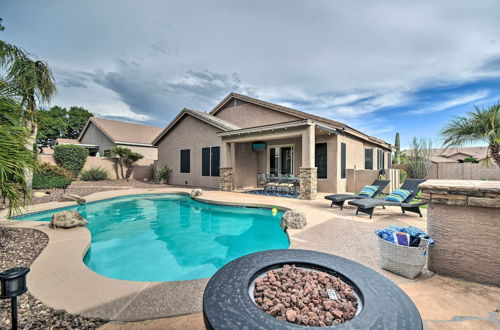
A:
(242, 137)
(99, 135)
(458, 155)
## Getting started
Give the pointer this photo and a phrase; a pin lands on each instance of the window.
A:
(215, 161)
(380, 159)
(210, 161)
(321, 160)
(389, 160)
(185, 161)
(342, 160)
(368, 159)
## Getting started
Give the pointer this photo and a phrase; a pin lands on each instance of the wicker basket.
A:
(402, 260)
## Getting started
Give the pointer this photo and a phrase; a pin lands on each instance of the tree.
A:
(419, 159)
(53, 124)
(77, 118)
(397, 154)
(125, 158)
(480, 125)
(14, 156)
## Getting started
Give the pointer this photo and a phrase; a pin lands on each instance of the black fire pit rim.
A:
(227, 304)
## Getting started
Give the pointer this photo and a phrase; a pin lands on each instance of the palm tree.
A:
(482, 124)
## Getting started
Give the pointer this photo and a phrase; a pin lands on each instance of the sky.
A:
(379, 66)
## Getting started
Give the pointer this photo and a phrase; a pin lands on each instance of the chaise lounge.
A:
(339, 199)
(367, 205)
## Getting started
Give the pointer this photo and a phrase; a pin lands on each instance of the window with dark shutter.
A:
(215, 161)
(380, 159)
(389, 160)
(205, 161)
(368, 159)
(342, 160)
(321, 160)
(185, 161)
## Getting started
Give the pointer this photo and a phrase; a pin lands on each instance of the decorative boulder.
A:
(72, 198)
(293, 219)
(67, 219)
(40, 194)
(196, 193)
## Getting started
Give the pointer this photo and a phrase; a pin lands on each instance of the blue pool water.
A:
(170, 237)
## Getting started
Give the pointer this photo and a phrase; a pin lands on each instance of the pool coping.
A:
(60, 279)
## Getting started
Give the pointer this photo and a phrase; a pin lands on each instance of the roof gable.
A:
(123, 132)
(200, 115)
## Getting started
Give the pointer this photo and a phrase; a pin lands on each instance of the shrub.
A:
(402, 176)
(162, 174)
(71, 157)
(94, 174)
(124, 157)
(51, 176)
(470, 160)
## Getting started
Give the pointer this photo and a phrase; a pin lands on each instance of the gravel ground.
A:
(20, 247)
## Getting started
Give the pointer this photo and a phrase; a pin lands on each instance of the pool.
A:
(171, 237)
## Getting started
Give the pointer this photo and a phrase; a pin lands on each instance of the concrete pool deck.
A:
(60, 279)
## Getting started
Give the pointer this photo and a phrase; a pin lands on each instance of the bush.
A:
(402, 176)
(94, 174)
(51, 176)
(162, 174)
(470, 160)
(71, 157)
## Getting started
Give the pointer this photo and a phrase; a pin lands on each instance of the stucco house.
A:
(242, 137)
(100, 135)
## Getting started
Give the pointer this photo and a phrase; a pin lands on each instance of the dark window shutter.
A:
(342, 160)
(185, 161)
(321, 160)
(389, 160)
(205, 161)
(368, 159)
(215, 160)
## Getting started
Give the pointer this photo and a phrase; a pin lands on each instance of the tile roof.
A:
(300, 114)
(477, 152)
(203, 116)
(67, 141)
(121, 131)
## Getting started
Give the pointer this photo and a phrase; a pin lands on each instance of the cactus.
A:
(397, 154)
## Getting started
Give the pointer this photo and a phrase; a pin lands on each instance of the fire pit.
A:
(299, 289)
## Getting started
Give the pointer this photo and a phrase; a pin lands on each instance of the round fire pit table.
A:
(227, 301)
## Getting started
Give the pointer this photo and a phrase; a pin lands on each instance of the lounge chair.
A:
(367, 205)
(339, 199)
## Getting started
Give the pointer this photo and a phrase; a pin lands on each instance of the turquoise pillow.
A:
(368, 191)
(398, 195)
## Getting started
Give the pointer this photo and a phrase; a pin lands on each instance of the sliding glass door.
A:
(280, 160)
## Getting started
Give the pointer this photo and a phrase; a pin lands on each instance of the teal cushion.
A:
(398, 195)
(368, 191)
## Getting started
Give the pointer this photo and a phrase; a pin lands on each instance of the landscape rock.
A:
(72, 198)
(67, 219)
(196, 193)
(293, 219)
(40, 194)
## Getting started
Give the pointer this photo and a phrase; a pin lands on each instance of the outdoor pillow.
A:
(368, 191)
(398, 195)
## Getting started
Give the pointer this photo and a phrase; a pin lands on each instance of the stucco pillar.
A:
(226, 178)
(308, 172)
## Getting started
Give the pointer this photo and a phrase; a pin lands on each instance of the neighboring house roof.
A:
(124, 132)
(203, 116)
(67, 141)
(47, 151)
(479, 153)
(442, 159)
(300, 114)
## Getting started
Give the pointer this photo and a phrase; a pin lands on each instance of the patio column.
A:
(226, 178)
(308, 172)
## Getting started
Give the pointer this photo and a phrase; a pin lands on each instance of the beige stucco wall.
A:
(147, 152)
(330, 183)
(143, 169)
(250, 115)
(95, 136)
(189, 133)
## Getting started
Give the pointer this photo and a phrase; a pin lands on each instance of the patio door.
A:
(280, 159)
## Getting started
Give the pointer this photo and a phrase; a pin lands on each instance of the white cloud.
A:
(461, 100)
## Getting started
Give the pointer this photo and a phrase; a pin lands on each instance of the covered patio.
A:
(278, 149)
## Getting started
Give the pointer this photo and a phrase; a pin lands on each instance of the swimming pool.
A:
(171, 237)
